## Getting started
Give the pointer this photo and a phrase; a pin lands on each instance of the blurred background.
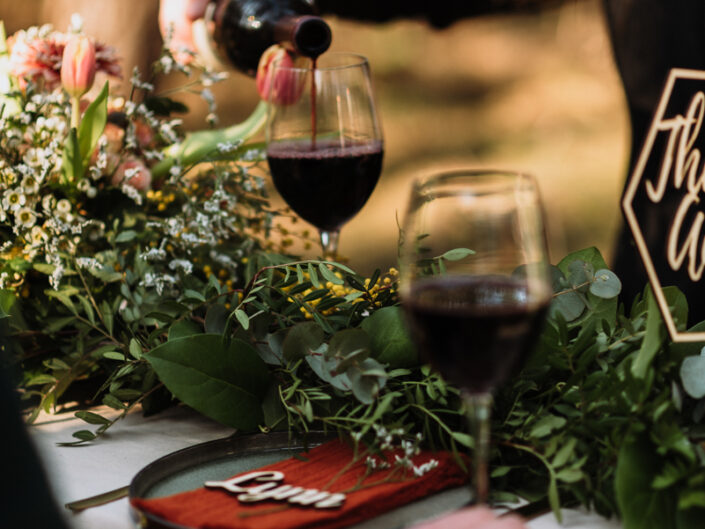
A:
(537, 93)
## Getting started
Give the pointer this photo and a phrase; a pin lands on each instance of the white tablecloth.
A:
(110, 463)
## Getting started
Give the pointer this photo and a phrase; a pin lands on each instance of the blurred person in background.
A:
(649, 38)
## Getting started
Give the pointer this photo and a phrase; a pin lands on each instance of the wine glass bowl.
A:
(324, 140)
(475, 284)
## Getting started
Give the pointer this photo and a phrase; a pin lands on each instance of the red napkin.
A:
(215, 508)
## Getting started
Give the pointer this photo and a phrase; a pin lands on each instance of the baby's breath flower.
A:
(181, 264)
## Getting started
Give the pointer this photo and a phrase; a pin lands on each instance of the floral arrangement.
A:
(137, 267)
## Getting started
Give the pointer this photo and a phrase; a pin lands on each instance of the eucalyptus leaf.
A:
(692, 373)
(606, 284)
(581, 274)
(569, 304)
(301, 340)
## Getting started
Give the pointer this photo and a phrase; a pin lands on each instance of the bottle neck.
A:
(308, 35)
(244, 29)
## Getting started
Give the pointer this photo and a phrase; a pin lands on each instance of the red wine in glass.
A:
(327, 185)
(476, 331)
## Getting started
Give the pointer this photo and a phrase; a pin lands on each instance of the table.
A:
(111, 463)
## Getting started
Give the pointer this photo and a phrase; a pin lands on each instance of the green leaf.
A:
(216, 316)
(91, 418)
(107, 316)
(63, 298)
(107, 274)
(135, 349)
(113, 355)
(389, 340)
(564, 453)
(546, 425)
(44, 268)
(126, 236)
(242, 318)
(226, 382)
(301, 340)
(652, 340)
(640, 505)
(92, 125)
(313, 276)
(71, 163)
(183, 328)
(569, 304)
(570, 475)
(347, 342)
(581, 274)
(590, 255)
(606, 284)
(457, 254)
(328, 274)
(84, 435)
(692, 374)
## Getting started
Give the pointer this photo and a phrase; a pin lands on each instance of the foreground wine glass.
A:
(475, 285)
(324, 140)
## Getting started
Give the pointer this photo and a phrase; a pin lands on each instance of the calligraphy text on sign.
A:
(683, 165)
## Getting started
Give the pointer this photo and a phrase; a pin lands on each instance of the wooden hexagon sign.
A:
(668, 182)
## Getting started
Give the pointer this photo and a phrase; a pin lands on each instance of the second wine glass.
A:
(475, 285)
(324, 140)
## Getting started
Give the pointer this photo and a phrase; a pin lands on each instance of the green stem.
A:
(75, 112)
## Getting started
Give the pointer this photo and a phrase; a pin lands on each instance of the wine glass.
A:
(475, 285)
(324, 140)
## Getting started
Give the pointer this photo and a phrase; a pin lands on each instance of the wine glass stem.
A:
(478, 408)
(329, 243)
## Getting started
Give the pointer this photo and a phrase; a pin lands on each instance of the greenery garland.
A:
(115, 296)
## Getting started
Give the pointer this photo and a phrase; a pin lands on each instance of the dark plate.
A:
(189, 468)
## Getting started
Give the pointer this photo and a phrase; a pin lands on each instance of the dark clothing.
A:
(25, 499)
(439, 13)
(650, 37)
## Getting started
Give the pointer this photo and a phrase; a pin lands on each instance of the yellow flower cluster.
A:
(161, 199)
(385, 282)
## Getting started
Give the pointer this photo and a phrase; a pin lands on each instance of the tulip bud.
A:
(287, 85)
(78, 65)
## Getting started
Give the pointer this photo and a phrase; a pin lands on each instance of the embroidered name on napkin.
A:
(327, 467)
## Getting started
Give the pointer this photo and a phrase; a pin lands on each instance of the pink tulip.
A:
(78, 65)
(133, 173)
(287, 85)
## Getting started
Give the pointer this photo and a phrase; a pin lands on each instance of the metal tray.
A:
(189, 468)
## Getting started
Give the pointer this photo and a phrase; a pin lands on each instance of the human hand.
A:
(473, 518)
(175, 19)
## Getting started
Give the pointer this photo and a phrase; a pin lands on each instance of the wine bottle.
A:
(244, 29)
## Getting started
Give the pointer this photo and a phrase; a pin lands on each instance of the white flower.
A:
(63, 206)
(30, 185)
(13, 199)
(25, 217)
(38, 235)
